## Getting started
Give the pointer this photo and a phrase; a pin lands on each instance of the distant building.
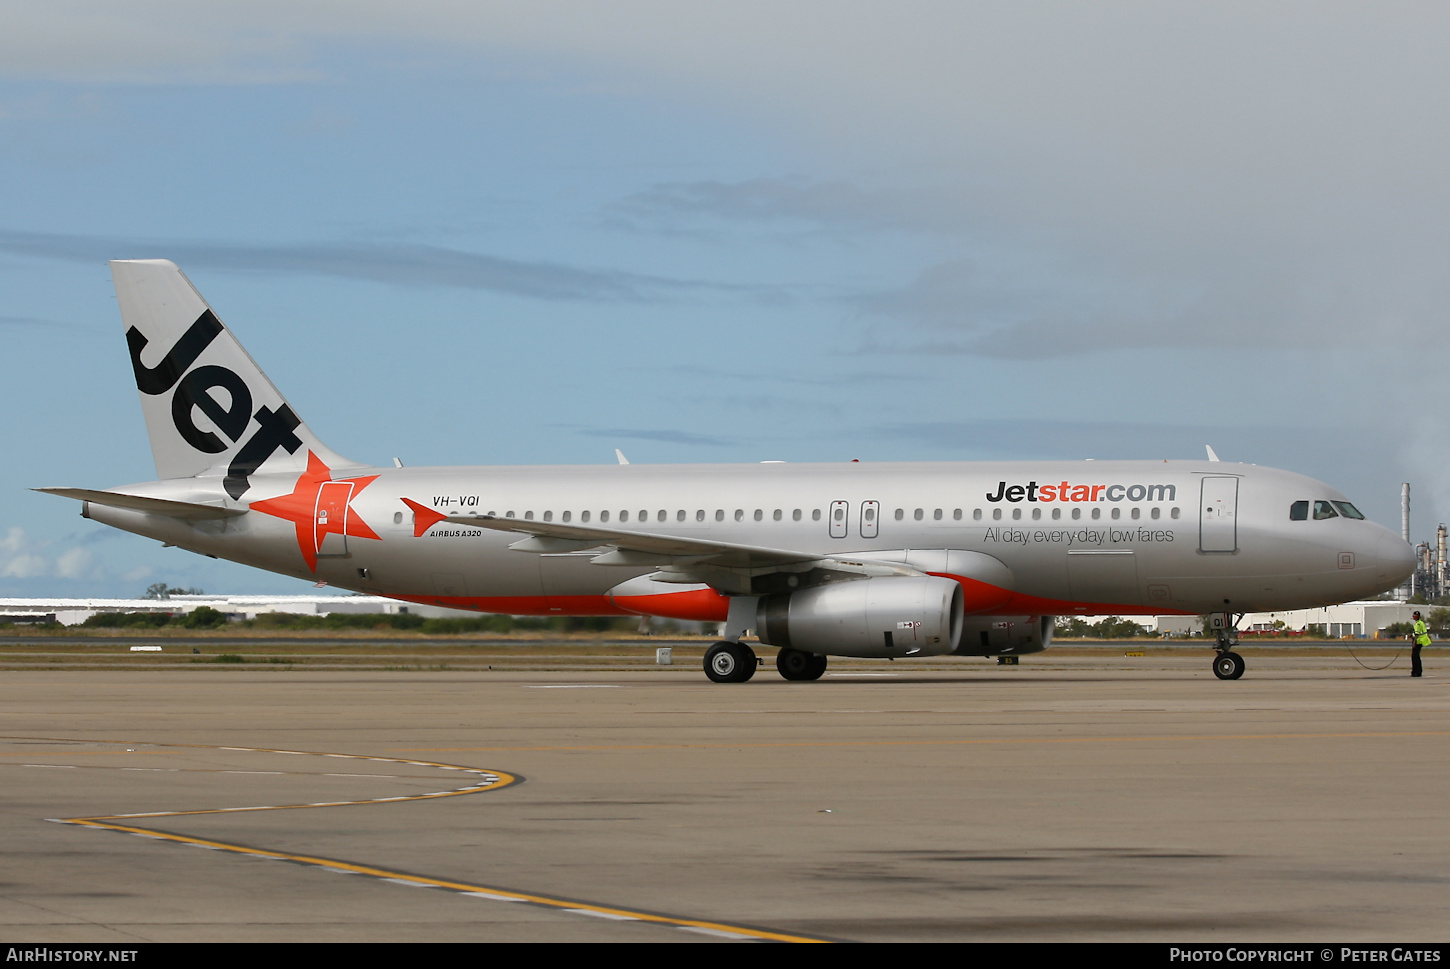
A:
(73, 612)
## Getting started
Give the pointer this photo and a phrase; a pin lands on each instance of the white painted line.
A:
(721, 933)
(410, 884)
(862, 674)
(574, 686)
(602, 915)
(492, 897)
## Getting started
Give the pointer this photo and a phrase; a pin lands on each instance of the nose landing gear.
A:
(1227, 665)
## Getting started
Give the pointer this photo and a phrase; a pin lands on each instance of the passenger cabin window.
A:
(815, 515)
(1299, 511)
(740, 514)
(900, 513)
(996, 514)
(775, 514)
(759, 514)
(956, 514)
(719, 514)
(917, 514)
(1348, 510)
(976, 514)
(1323, 510)
(795, 516)
(936, 515)
(604, 516)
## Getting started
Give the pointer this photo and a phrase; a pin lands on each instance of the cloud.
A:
(401, 264)
(650, 434)
(75, 563)
(813, 203)
(28, 321)
(18, 556)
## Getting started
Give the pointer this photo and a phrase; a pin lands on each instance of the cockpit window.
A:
(1323, 510)
(1299, 511)
(1348, 510)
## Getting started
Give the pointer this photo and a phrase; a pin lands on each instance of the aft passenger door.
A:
(329, 523)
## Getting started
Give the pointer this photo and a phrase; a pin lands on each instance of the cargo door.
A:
(1109, 577)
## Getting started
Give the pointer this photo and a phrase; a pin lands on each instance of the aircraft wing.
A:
(728, 566)
(152, 506)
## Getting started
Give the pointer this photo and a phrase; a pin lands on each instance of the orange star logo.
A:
(320, 507)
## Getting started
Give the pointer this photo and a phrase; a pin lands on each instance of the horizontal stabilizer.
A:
(151, 506)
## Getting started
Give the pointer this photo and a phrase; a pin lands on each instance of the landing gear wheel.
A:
(797, 664)
(1228, 665)
(729, 662)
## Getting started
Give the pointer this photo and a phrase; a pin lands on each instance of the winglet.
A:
(620, 454)
(1211, 455)
(424, 517)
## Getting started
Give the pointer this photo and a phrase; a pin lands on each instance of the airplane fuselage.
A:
(1091, 537)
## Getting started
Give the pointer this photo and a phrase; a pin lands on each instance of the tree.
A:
(160, 590)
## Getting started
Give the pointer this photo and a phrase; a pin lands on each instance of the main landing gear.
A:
(797, 664)
(1227, 665)
(735, 663)
(730, 662)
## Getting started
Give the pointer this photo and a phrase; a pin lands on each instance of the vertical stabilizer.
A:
(209, 408)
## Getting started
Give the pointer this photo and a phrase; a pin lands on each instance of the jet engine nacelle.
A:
(885, 616)
(1005, 635)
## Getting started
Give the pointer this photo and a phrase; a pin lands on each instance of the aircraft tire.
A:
(797, 664)
(818, 666)
(729, 663)
(1228, 665)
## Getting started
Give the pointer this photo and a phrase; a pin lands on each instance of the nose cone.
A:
(1390, 559)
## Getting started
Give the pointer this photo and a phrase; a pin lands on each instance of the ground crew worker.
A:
(1422, 639)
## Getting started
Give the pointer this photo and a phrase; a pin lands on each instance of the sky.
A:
(530, 233)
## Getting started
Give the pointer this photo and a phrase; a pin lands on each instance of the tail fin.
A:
(209, 408)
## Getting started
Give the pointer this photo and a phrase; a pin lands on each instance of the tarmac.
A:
(1103, 798)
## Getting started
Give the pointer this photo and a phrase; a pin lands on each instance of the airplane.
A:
(851, 559)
